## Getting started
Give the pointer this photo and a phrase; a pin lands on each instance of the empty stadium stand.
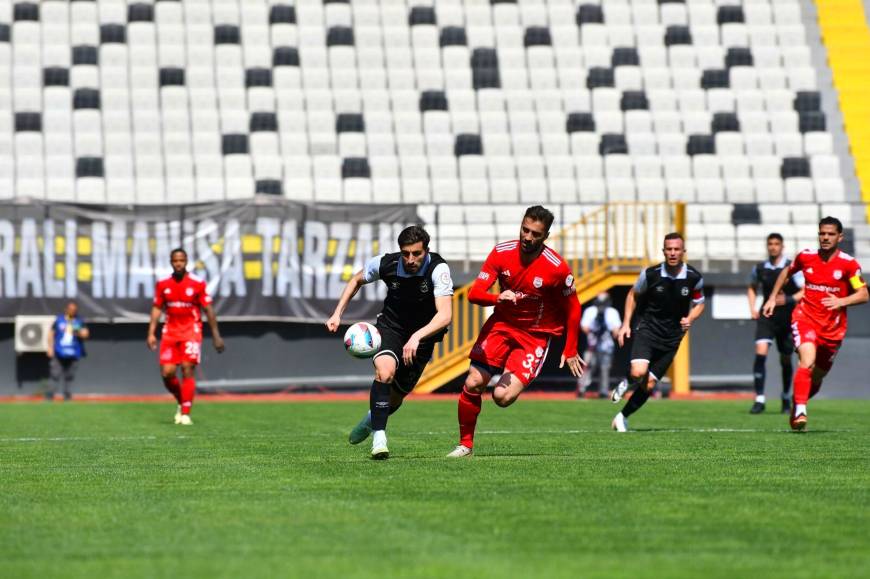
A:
(468, 108)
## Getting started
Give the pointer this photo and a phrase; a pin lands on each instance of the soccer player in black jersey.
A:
(778, 326)
(417, 310)
(672, 297)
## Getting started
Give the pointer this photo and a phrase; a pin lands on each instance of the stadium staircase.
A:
(606, 248)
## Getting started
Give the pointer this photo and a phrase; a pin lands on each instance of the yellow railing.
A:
(606, 246)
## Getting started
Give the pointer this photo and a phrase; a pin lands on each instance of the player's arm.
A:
(770, 304)
(216, 338)
(752, 293)
(49, 346)
(572, 308)
(859, 293)
(442, 291)
(350, 290)
(698, 305)
(479, 293)
(152, 327)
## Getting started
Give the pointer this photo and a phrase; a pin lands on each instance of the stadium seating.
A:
(468, 102)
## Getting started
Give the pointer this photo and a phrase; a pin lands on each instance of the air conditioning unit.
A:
(31, 333)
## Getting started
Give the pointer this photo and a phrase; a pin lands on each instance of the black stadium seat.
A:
(263, 121)
(580, 122)
(795, 167)
(55, 76)
(453, 36)
(590, 14)
(227, 34)
(715, 79)
(729, 14)
(269, 187)
(171, 76)
(675, 35)
(86, 98)
(85, 55)
(433, 100)
(113, 34)
(468, 145)
(285, 56)
(89, 167)
(282, 14)
(350, 123)
(633, 100)
(625, 56)
(25, 11)
(701, 145)
(140, 12)
(340, 36)
(28, 122)
(723, 122)
(422, 15)
(811, 121)
(258, 77)
(537, 36)
(235, 144)
(355, 167)
(738, 56)
(808, 100)
(612, 144)
(600, 77)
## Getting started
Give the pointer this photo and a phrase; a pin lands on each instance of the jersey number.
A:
(191, 349)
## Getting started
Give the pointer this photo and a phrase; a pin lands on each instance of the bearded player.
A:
(537, 302)
(832, 282)
(182, 295)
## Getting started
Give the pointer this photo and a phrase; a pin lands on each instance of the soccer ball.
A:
(362, 340)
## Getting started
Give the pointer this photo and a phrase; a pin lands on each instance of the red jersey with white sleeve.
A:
(839, 276)
(182, 301)
(546, 299)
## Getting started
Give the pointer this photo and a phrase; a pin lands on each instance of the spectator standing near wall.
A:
(66, 346)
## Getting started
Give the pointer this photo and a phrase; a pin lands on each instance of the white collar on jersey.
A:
(682, 275)
(400, 271)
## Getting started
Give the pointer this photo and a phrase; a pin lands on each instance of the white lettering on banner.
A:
(29, 273)
(71, 259)
(288, 262)
(313, 258)
(7, 246)
(268, 228)
(361, 256)
(53, 287)
(232, 264)
(341, 232)
(206, 236)
(109, 260)
(141, 265)
(167, 236)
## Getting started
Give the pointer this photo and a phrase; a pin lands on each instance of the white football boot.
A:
(461, 451)
(178, 415)
(619, 391)
(185, 420)
(379, 445)
(620, 423)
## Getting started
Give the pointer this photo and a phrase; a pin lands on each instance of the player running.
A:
(673, 298)
(537, 302)
(181, 295)
(415, 316)
(777, 327)
(833, 282)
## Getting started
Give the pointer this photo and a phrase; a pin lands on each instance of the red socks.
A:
(469, 409)
(173, 386)
(188, 389)
(802, 384)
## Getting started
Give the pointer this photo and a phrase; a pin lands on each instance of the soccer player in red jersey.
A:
(537, 302)
(833, 282)
(181, 295)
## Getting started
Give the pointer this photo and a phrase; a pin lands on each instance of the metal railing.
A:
(616, 238)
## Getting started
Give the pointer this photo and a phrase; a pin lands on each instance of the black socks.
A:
(379, 404)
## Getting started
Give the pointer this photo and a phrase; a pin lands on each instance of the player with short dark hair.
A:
(776, 328)
(538, 301)
(672, 295)
(832, 282)
(417, 310)
(182, 295)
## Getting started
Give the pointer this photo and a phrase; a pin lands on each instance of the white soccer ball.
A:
(362, 340)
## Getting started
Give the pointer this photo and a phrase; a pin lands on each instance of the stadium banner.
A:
(265, 258)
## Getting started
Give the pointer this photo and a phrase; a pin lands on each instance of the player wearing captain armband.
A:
(832, 283)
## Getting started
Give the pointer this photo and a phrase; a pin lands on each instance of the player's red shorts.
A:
(501, 346)
(804, 331)
(180, 351)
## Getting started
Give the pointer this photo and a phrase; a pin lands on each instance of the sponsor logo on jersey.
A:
(189, 291)
(660, 288)
(394, 284)
(167, 291)
(809, 270)
(823, 288)
(445, 278)
(539, 351)
(838, 273)
(506, 273)
(684, 291)
(424, 287)
(483, 275)
(179, 304)
(538, 282)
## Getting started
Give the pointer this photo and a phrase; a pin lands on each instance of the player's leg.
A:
(507, 389)
(762, 347)
(825, 354)
(637, 381)
(786, 348)
(803, 380)
(170, 357)
(379, 401)
(524, 362)
(468, 407)
(188, 391)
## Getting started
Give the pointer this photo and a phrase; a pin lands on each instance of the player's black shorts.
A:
(659, 353)
(392, 343)
(776, 328)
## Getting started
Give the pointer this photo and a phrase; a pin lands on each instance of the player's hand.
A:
(780, 299)
(756, 314)
(333, 322)
(832, 302)
(686, 323)
(768, 308)
(409, 352)
(623, 333)
(507, 296)
(50, 353)
(218, 344)
(575, 364)
(152, 342)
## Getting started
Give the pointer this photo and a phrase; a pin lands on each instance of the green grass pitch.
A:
(701, 489)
